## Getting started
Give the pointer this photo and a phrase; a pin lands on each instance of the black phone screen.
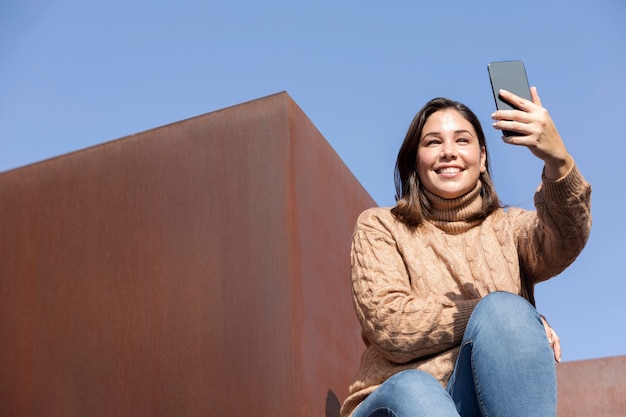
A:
(511, 76)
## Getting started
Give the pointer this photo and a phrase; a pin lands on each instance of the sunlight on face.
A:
(449, 157)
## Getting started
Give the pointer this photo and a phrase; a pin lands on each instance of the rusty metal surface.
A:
(327, 199)
(200, 268)
(595, 387)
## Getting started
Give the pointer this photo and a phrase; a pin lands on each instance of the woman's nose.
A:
(448, 150)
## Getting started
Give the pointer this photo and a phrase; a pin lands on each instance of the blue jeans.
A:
(505, 368)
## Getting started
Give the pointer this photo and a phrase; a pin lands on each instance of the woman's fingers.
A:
(515, 100)
(553, 339)
(535, 96)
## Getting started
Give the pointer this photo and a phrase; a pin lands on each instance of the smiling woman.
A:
(443, 282)
(450, 157)
(444, 153)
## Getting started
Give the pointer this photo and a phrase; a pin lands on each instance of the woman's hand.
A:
(553, 338)
(538, 132)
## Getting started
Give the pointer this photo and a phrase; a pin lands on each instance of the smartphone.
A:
(511, 76)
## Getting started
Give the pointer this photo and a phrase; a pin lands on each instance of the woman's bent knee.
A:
(412, 382)
(501, 301)
(408, 393)
(505, 308)
(505, 321)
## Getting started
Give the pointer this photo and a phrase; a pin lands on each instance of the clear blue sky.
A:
(78, 73)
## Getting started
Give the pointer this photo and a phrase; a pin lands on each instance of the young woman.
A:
(443, 282)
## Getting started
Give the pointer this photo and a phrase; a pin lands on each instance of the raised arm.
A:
(550, 239)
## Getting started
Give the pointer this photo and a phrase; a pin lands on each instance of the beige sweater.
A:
(415, 288)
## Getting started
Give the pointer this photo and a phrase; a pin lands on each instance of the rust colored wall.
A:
(201, 268)
(594, 387)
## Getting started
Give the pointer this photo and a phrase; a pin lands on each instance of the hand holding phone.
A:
(510, 76)
(541, 136)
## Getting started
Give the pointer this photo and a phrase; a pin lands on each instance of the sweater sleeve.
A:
(552, 239)
(402, 325)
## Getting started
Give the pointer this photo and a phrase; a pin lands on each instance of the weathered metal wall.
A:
(197, 269)
(595, 387)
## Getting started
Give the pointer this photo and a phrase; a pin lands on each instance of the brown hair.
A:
(412, 206)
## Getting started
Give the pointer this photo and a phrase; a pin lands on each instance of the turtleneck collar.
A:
(452, 216)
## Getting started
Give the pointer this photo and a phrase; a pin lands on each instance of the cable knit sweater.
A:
(415, 288)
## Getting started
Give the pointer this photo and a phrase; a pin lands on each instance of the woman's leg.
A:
(408, 394)
(506, 366)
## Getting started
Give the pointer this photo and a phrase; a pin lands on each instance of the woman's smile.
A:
(449, 171)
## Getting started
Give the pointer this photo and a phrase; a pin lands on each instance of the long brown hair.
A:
(412, 206)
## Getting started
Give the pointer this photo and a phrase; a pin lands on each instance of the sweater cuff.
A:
(564, 187)
(465, 309)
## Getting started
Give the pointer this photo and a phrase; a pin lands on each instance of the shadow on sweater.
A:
(468, 290)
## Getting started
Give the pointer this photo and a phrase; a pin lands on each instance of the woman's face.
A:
(449, 156)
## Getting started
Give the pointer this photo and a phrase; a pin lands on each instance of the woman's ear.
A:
(483, 160)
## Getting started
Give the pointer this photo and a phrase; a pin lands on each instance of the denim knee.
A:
(503, 316)
(506, 357)
(505, 306)
(412, 382)
(408, 393)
